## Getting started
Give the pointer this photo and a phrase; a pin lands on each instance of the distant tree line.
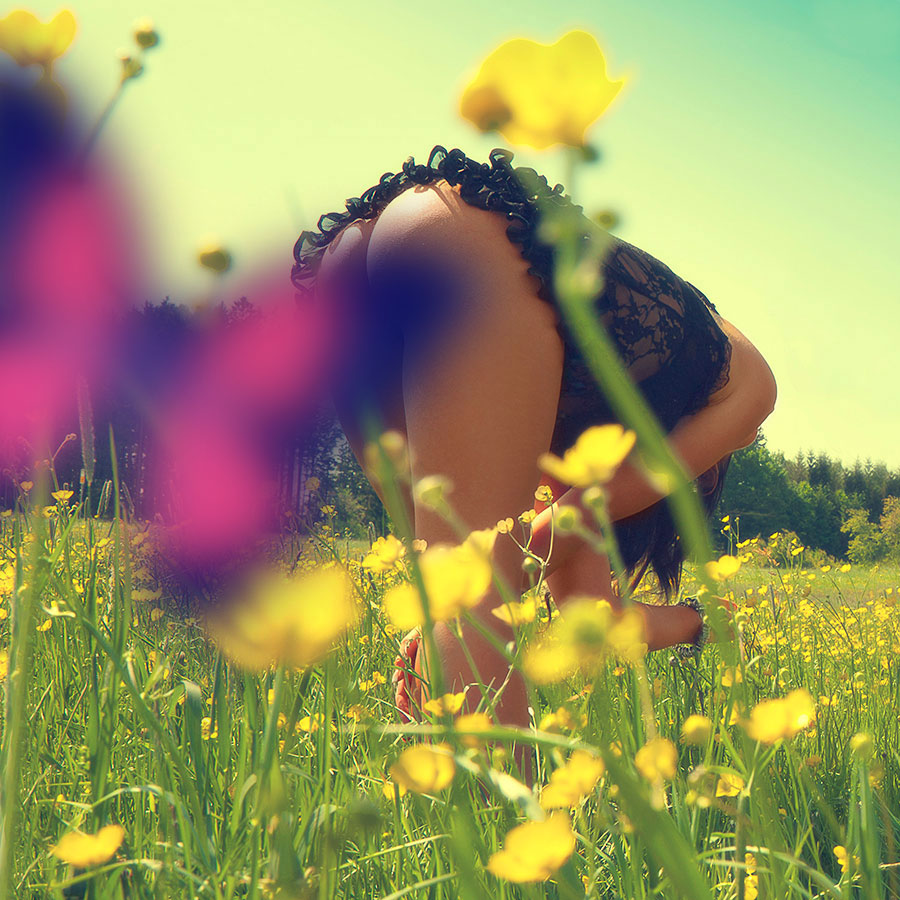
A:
(847, 511)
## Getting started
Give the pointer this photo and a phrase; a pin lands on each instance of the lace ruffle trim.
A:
(498, 187)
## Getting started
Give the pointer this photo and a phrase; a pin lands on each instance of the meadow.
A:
(228, 783)
(158, 742)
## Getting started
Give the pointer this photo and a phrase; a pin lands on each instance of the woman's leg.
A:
(482, 365)
(370, 377)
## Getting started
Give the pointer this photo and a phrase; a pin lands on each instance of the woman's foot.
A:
(406, 681)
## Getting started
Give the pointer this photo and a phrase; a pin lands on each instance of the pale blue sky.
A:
(753, 150)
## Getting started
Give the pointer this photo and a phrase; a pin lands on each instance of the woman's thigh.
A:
(482, 358)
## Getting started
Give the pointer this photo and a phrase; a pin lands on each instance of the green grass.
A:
(225, 787)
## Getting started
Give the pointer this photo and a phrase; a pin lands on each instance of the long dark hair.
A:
(649, 539)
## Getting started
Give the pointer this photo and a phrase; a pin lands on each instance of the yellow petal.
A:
(516, 613)
(424, 769)
(730, 784)
(657, 759)
(723, 568)
(535, 850)
(539, 94)
(85, 850)
(61, 33)
(28, 40)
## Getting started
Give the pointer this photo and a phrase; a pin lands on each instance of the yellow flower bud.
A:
(145, 35)
(212, 255)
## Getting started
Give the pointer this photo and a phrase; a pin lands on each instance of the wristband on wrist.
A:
(693, 648)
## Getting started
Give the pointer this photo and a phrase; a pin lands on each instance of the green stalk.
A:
(16, 696)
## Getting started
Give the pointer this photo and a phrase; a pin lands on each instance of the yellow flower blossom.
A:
(571, 783)
(145, 35)
(425, 768)
(475, 722)
(28, 40)
(730, 784)
(310, 724)
(751, 879)
(539, 94)
(657, 759)
(771, 720)
(696, 730)
(294, 619)
(212, 255)
(385, 554)
(388, 787)
(376, 680)
(534, 851)
(449, 704)
(593, 459)
(582, 637)
(456, 578)
(84, 850)
(516, 613)
(723, 568)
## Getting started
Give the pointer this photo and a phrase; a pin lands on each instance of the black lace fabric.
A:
(665, 330)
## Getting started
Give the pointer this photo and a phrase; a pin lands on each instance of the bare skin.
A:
(480, 411)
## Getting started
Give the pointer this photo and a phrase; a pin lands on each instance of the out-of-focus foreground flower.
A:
(594, 457)
(772, 720)
(28, 40)
(68, 263)
(456, 579)
(285, 619)
(585, 634)
(535, 850)
(85, 850)
(425, 768)
(540, 94)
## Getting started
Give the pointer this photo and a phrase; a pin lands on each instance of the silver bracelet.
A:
(692, 649)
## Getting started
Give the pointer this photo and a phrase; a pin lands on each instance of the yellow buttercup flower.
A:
(771, 720)
(845, 859)
(696, 730)
(212, 255)
(385, 554)
(657, 759)
(456, 578)
(85, 850)
(448, 704)
(476, 722)
(62, 496)
(28, 40)
(424, 769)
(388, 788)
(516, 613)
(541, 94)
(593, 459)
(729, 785)
(586, 632)
(571, 783)
(293, 619)
(723, 568)
(145, 35)
(534, 851)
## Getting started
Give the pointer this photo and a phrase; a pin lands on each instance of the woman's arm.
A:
(729, 422)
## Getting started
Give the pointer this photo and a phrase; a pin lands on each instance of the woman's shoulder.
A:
(747, 366)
